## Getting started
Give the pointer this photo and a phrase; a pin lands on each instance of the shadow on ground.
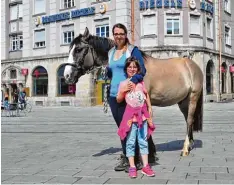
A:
(168, 146)
(176, 145)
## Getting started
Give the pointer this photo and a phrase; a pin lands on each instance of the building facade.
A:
(36, 35)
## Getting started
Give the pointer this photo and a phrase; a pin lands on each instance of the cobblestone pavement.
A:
(68, 145)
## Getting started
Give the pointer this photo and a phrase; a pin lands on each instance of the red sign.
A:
(36, 73)
(223, 70)
(24, 71)
(231, 68)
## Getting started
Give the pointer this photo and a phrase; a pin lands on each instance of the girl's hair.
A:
(129, 61)
(121, 26)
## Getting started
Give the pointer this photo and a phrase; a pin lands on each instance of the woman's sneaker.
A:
(148, 171)
(132, 172)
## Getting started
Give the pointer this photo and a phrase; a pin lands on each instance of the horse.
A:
(168, 81)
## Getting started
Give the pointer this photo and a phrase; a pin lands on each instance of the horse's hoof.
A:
(184, 154)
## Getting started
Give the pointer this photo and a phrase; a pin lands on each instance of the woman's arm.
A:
(120, 97)
(138, 77)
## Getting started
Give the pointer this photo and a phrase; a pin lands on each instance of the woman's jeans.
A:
(141, 135)
(117, 110)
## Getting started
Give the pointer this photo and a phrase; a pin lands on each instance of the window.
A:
(14, 12)
(13, 74)
(68, 3)
(67, 34)
(209, 30)
(40, 81)
(102, 31)
(20, 10)
(39, 6)
(149, 25)
(63, 87)
(227, 5)
(224, 78)
(209, 77)
(39, 38)
(16, 42)
(227, 35)
(232, 80)
(195, 25)
(173, 26)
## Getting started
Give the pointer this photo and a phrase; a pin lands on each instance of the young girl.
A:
(136, 120)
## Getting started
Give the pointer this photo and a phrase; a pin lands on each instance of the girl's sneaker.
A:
(132, 172)
(148, 171)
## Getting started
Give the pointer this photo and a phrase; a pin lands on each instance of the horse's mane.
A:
(101, 44)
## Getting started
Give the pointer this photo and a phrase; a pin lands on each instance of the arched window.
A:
(224, 77)
(232, 77)
(40, 81)
(63, 87)
(209, 77)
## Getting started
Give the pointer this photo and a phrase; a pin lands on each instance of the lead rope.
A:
(106, 89)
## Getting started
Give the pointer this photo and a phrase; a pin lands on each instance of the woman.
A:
(117, 57)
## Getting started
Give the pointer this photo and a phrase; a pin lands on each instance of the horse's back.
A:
(169, 81)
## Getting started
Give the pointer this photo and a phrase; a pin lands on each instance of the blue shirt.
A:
(118, 75)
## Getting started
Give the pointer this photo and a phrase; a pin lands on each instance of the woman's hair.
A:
(121, 26)
(129, 61)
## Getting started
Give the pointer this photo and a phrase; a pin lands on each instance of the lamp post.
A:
(220, 52)
(132, 21)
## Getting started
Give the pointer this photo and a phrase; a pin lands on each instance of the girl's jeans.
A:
(141, 135)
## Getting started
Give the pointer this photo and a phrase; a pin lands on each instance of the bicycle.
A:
(27, 107)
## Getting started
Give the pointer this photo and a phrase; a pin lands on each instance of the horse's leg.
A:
(183, 105)
(188, 107)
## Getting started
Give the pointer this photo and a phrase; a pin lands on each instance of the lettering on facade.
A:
(145, 4)
(207, 6)
(68, 15)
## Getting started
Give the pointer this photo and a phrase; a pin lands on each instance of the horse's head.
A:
(81, 58)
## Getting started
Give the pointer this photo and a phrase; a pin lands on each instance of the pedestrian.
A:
(16, 96)
(22, 99)
(136, 124)
(117, 57)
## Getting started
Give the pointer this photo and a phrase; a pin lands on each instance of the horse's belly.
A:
(167, 99)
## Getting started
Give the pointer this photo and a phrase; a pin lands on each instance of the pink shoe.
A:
(132, 172)
(148, 171)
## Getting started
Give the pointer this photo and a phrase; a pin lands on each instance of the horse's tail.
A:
(198, 115)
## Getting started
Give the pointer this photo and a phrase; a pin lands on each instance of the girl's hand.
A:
(150, 111)
(126, 88)
(131, 85)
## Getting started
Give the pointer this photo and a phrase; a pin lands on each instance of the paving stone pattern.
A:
(77, 145)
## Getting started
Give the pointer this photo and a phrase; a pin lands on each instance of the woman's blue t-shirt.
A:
(118, 75)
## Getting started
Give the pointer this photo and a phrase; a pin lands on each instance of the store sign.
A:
(145, 4)
(207, 6)
(24, 72)
(68, 15)
(231, 68)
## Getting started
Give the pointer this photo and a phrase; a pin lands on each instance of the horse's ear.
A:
(86, 34)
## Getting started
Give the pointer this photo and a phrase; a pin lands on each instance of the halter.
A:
(77, 65)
